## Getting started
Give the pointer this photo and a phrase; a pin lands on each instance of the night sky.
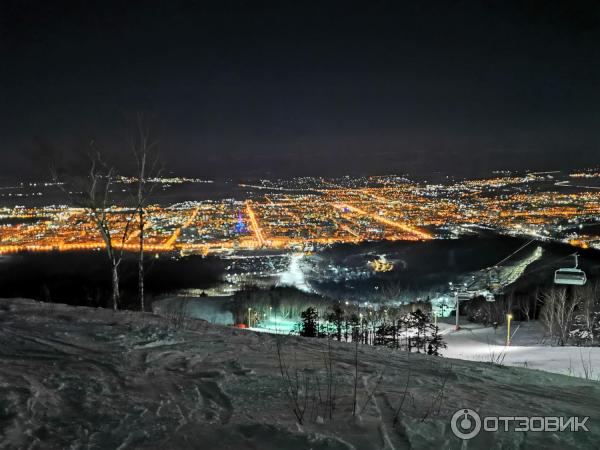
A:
(250, 88)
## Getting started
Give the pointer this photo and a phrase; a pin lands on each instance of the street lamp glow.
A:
(509, 317)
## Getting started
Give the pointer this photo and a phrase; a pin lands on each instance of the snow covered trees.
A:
(409, 331)
(586, 323)
(412, 332)
(557, 313)
(571, 315)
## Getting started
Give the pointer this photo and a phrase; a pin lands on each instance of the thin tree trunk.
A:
(114, 261)
(141, 260)
(140, 199)
(355, 375)
(115, 285)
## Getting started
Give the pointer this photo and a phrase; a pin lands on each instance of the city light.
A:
(310, 213)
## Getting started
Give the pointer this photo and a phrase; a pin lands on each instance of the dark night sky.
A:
(245, 88)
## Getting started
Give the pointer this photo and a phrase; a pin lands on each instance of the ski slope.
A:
(528, 349)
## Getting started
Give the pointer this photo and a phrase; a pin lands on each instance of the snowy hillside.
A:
(91, 378)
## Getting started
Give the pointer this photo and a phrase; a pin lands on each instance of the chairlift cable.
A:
(553, 262)
(514, 253)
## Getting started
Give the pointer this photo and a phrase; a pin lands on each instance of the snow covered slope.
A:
(91, 378)
(478, 343)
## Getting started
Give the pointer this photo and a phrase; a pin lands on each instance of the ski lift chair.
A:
(570, 275)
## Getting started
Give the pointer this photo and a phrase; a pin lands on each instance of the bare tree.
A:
(144, 150)
(393, 292)
(92, 192)
(558, 312)
(587, 297)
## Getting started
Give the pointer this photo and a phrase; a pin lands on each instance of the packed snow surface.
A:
(91, 378)
(528, 348)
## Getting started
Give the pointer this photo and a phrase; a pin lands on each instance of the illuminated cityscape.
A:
(290, 225)
(307, 213)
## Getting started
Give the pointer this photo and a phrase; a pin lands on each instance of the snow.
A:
(528, 349)
(91, 378)
(294, 275)
(208, 308)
